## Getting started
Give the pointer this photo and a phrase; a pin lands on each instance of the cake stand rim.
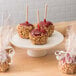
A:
(39, 48)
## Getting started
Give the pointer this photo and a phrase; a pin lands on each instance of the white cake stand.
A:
(37, 50)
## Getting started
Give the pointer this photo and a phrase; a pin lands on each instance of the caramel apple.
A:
(68, 68)
(38, 36)
(66, 62)
(48, 26)
(24, 29)
(4, 61)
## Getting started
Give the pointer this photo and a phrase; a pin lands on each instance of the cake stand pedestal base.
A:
(37, 53)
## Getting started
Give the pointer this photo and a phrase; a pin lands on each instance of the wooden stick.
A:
(26, 13)
(45, 15)
(38, 19)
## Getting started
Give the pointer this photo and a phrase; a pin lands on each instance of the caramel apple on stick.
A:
(38, 36)
(47, 25)
(24, 28)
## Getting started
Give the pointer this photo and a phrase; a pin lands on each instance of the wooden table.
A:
(23, 65)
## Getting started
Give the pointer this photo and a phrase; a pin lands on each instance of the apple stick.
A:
(38, 20)
(45, 15)
(27, 13)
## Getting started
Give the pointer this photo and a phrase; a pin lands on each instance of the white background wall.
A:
(58, 10)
